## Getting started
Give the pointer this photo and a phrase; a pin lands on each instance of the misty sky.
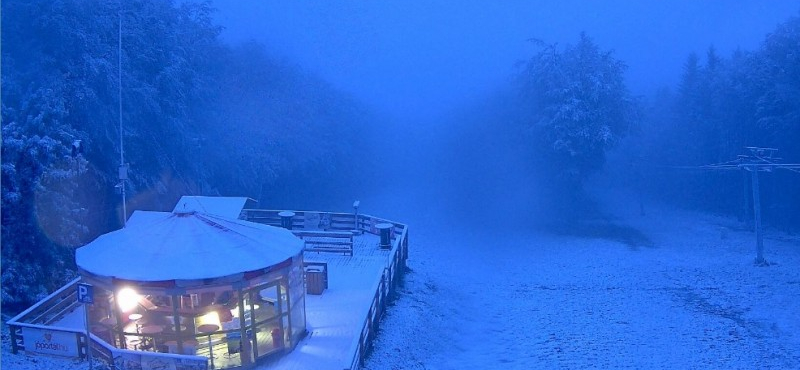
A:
(414, 58)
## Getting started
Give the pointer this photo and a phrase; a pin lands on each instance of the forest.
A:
(200, 116)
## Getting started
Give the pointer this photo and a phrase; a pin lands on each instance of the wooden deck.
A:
(336, 319)
(341, 322)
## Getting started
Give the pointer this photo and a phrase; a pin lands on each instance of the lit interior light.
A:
(235, 310)
(211, 318)
(128, 299)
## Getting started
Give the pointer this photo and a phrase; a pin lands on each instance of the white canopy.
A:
(229, 207)
(185, 246)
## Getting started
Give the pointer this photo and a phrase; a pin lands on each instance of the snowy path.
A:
(692, 299)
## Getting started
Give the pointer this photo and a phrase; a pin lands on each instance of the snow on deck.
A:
(334, 319)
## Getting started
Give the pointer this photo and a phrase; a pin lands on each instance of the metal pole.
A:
(121, 147)
(176, 321)
(757, 217)
(88, 339)
(745, 205)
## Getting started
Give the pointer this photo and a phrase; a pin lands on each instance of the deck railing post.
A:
(14, 348)
(356, 226)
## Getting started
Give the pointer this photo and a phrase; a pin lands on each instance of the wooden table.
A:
(170, 328)
(209, 328)
(189, 346)
(108, 321)
(152, 329)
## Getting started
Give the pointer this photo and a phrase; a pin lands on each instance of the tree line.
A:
(721, 106)
(199, 117)
(568, 115)
(579, 110)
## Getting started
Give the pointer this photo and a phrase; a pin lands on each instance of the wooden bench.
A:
(326, 241)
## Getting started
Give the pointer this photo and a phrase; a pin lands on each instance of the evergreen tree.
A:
(187, 126)
(577, 107)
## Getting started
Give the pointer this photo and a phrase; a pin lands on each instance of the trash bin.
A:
(385, 230)
(234, 341)
(286, 219)
(315, 280)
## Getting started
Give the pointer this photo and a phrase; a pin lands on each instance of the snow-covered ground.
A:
(672, 289)
(681, 293)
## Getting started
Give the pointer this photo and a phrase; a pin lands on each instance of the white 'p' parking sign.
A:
(85, 293)
(86, 296)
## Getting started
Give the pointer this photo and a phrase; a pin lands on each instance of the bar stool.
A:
(135, 343)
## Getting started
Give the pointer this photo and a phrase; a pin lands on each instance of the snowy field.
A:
(669, 290)
(681, 294)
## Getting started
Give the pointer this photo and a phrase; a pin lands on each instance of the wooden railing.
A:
(39, 317)
(43, 313)
(123, 359)
(384, 289)
(331, 220)
(384, 293)
(52, 308)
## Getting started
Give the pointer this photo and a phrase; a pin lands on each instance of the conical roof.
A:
(157, 246)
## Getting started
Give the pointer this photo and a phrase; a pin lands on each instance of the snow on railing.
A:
(59, 294)
(130, 359)
(122, 358)
(384, 291)
(71, 342)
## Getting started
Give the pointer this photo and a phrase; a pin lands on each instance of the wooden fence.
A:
(384, 293)
(31, 331)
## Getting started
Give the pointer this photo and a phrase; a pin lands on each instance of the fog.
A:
(567, 169)
(442, 80)
(414, 59)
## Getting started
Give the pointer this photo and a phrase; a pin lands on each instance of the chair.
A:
(146, 303)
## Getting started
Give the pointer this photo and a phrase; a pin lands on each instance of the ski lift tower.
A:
(758, 160)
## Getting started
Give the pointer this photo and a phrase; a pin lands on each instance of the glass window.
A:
(298, 320)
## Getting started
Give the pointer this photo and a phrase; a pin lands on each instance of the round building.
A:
(192, 283)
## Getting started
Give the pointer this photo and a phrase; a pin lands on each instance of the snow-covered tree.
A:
(722, 105)
(577, 107)
(199, 117)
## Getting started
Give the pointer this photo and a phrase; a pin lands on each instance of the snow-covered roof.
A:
(229, 207)
(159, 246)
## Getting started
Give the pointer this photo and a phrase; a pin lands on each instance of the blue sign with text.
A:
(85, 293)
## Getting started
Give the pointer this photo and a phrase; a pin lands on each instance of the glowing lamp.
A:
(127, 299)
(209, 322)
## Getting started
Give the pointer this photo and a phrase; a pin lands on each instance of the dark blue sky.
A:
(415, 58)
